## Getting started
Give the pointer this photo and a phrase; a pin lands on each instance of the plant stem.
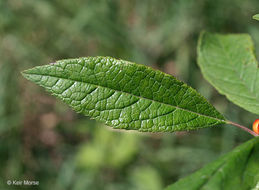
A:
(243, 128)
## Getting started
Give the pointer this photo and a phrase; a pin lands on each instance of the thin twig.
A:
(243, 128)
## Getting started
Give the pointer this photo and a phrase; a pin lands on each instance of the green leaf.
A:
(237, 170)
(126, 95)
(256, 17)
(229, 64)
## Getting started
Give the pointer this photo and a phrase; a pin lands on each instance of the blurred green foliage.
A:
(42, 139)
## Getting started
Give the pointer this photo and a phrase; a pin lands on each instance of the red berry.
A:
(256, 126)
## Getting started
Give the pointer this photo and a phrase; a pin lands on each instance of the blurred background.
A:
(42, 139)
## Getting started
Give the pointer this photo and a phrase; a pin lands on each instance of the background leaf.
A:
(229, 64)
(236, 170)
(126, 95)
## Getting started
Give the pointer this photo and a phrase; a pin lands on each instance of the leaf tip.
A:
(28, 74)
(25, 73)
(256, 17)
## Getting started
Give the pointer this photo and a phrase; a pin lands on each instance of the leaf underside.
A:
(229, 64)
(237, 170)
(126, 95)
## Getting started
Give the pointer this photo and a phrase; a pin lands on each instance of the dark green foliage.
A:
(236, 170)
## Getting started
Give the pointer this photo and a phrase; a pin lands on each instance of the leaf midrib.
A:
(140, 97)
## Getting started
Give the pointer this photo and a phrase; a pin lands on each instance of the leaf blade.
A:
(236, 170)
(229, 64)
(126, 95)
